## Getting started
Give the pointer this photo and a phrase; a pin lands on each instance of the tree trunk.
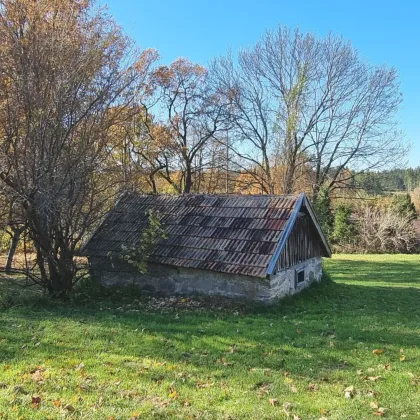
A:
(188, 179)
(60, 278)
(12, 250)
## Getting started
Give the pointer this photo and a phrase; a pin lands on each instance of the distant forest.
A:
(383, 182)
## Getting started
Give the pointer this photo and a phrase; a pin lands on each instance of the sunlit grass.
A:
(117, 358)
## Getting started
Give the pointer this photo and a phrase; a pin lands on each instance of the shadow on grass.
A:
(323, 329)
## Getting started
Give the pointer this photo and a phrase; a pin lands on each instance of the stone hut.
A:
(259, 247)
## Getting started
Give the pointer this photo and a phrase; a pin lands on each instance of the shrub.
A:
(385, 231)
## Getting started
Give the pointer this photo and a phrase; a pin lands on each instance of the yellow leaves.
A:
(173, 393)
(288, 380)
(273, 401)
(323, 412)
(402, 355)
(377, 351)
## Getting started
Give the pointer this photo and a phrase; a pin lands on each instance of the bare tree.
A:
(66, 78)
(251, 115)
(302, 100)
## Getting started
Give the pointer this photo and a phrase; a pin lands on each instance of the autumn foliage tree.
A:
(67, 75)
(192, 113)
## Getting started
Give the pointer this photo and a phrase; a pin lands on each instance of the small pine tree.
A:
(344, 231)
(403, 206)
(323, 211)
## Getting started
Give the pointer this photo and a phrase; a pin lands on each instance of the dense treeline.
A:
(388, 181)
(84, 115)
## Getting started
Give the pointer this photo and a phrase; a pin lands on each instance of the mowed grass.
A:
(122, 358)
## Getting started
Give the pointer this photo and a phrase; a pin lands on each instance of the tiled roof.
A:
(227, 233)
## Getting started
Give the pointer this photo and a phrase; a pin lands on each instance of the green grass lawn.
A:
(126, 359)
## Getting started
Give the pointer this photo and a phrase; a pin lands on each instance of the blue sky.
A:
(384, 32)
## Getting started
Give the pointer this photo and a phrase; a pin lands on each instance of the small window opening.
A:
(300, 276)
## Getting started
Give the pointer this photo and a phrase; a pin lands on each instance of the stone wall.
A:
(170, 280)
(285, 282)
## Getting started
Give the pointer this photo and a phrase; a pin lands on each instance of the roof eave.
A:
(290, 223)
(302, 200)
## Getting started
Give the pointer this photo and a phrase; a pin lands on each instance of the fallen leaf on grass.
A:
(37, 377)
(381, 411)
(263, 388)
(204, 384)
(312, 387)
(371, 393)
(273, 401)
(287, 406)
(402, 358)
(374, 378)
(377, 351)
(173, 394)
(35, 402)
(374, 405)
(57, 403)
(70, 408)
(349, 392)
